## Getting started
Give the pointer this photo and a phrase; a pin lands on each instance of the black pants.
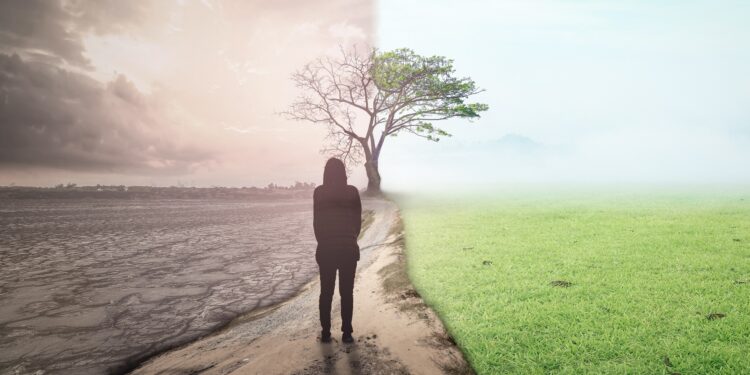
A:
(346, 270)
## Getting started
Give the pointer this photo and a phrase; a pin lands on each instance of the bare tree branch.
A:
(357, 95)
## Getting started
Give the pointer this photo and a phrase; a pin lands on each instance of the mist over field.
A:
(517, 161)
(581, 93)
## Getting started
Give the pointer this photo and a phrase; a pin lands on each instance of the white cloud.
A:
(241, 130)
(346, 31)
(307, 28)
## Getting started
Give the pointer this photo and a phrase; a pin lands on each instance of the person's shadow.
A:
(352, 358)
(353, 362)
(329, 359)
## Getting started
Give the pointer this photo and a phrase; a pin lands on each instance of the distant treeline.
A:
(272, 191)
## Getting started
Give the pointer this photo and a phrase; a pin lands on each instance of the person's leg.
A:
(346, 291)
(327, 286)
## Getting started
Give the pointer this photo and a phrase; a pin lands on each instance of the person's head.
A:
(334, 173)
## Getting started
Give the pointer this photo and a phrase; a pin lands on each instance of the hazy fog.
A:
(582, 92)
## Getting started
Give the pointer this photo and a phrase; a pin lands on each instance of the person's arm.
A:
(357, 212)
(316, 222)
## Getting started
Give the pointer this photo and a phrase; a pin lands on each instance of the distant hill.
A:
(517, 144)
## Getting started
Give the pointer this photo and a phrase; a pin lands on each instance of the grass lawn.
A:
(659, 282)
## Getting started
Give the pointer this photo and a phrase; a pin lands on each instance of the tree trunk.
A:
(373, 177)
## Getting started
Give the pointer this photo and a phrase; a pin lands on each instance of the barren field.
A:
(98, 285)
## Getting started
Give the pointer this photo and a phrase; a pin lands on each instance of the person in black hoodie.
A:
(337, 221)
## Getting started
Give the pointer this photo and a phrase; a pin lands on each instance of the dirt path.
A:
(395, 332)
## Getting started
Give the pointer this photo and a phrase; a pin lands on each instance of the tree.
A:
(365, 99)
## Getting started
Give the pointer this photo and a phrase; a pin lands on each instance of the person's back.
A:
(337, 220)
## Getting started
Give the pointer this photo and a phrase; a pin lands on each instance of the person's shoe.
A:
(325, 337)
(347, 338)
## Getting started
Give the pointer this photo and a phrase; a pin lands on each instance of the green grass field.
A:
(659, 282)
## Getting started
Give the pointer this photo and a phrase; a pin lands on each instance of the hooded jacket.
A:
(337, 220)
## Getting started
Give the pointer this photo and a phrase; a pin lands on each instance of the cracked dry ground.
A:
(98, 285)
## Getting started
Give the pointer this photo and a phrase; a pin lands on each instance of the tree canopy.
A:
(363, 99)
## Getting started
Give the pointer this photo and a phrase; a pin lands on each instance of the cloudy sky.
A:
(185, 92)
(163, 92)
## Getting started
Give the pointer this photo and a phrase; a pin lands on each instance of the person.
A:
(337, 212)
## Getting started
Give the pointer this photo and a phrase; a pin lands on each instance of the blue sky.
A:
(607, 91)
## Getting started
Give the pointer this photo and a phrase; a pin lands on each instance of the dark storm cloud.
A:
(51, 31)
(51, 117)
(54, 115)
